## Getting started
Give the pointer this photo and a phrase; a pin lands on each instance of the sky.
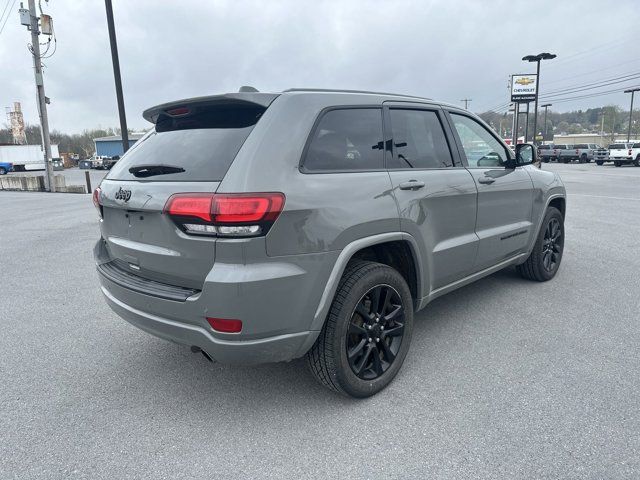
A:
(446, 50)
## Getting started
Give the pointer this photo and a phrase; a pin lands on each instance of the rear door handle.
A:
(486, 180)
(411, 185)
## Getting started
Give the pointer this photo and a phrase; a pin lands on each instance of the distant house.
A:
(112, 146)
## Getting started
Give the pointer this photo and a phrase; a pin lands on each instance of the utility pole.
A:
(632, 91)
(545, 106)
(116, 73)
(49, 181)
(466, 102)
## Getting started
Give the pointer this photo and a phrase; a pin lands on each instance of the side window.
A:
(347, 139)
(418, 140)
(480, 147)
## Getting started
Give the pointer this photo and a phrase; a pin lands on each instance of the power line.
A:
(598, 84)
(8, 15)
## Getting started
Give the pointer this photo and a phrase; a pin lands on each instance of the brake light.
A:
(97, 200)
(229, 214)
(225, 325)
(577, 151)
(630, 152)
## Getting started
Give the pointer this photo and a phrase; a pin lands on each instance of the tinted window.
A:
(582, 145)
(544, 147)
(480, 147)
(617, 146)
(198, 147)
(635, 145)
(419, 140)
(347, 139)
(560, 147)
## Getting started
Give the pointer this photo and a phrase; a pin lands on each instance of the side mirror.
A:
(526, 154)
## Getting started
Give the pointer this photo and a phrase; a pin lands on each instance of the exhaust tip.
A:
(196, 349)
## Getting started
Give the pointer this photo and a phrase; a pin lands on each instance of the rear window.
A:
(635, 145)
(617, 146)
(561, 147)
(582, 145)
(544, 147)
(346, 139)
(195, 147)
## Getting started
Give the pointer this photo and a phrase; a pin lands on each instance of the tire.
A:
(3, 171)
(545, 159)
(636, 162)
(346, 327)
(566, 160)
(617, 163)
(582, 159)
(599, 162)
(544, 261)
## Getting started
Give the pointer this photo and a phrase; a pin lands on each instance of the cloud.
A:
(446, 50)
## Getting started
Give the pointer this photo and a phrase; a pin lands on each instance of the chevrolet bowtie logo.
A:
(524, 81)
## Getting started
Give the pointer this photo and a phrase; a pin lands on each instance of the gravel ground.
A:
(505, 378)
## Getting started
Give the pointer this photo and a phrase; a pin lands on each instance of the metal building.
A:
(112, 146)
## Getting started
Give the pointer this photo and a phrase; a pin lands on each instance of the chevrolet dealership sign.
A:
(523, 88)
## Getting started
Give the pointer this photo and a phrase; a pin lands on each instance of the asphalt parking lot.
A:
(505, 378)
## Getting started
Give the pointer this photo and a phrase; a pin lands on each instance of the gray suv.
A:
(259, 227)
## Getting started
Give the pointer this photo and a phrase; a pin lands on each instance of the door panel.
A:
(437, 198)
(505, 195)
(503, 223)
(441, 216)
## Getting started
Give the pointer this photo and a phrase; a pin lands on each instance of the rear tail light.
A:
(97, 200)
(577, 151)
(226, 215)
(630, 152)
(225, 325)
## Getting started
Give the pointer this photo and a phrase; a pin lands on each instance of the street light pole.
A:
(537, 59)
(116, 73)
(632, 91)
(545, 106)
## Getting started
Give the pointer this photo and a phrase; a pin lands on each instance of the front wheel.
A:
(599, 162)
(367, 333)
(636, 162)
(3, 171)
(617, 163)
(544, 261)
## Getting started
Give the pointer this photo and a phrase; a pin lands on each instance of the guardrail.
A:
(36, 184)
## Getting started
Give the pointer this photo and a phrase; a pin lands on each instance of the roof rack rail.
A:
(331, 90)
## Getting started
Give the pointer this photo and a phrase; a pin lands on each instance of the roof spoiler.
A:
(183, 107)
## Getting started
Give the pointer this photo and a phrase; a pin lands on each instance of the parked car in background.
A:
(250, 253)
(585, 152)
(5, 167)
(601, 155)
(57, 164)
(102, 162)
(620, 153)
(546, 153)
(560, 153)
(635, 153)
(109, 162)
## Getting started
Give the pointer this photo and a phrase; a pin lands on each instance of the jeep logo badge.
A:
(123, 194)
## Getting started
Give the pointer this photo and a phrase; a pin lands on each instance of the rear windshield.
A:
(544, 147)
(560, 147)
(582, 145)
(617, 146)
(196, 147)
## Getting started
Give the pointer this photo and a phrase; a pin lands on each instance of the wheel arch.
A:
(396, 249)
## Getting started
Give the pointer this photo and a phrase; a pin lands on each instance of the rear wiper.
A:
(151, 170)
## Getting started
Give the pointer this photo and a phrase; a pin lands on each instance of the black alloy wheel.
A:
(375, 332)
(552, 245)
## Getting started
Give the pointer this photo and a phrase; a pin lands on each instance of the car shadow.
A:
(171, 375)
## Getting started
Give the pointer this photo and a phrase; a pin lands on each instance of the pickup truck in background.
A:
(621, 153)
(546, 153)
(585, 152)
(601, 155)
(563, 153)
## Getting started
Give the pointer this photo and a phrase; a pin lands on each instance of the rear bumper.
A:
(238, 352)
(276, 300)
